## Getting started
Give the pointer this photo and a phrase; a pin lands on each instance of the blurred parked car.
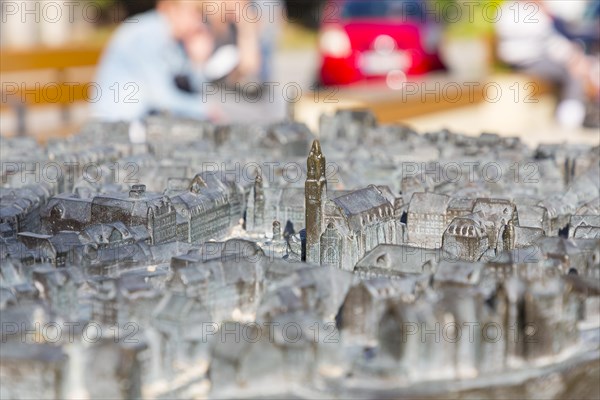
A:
(367, 39)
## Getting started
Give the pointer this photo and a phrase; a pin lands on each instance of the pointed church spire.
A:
(315, 192)
(316, 148)
(316, 163)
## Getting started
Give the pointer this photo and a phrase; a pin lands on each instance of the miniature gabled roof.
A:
(213, 181)
(461, 203)
(176, 307)
(458, 272)
(468, 226)
(387, 193)
(320, 289)
(101, 233)
(139, 232)
(135, 287)
(193, 275)
(556, 206)
(64, 241)
(70, 206)
(194, 202)
(241, 248)
(584, 220)
(587, 232)
(592, 207)
(131, 207)
(492, 206)
(400, 258)
(361, 201)
(524, 255)
(531, 216)
(382, 288)
(428, 203)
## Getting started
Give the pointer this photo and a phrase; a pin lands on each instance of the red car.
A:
(373, 39)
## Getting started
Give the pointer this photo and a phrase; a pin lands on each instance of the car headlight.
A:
(335, 43)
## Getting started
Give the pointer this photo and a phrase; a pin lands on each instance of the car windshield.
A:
(410, 9)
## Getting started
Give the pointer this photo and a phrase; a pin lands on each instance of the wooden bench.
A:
(60, 91)
(430, 94)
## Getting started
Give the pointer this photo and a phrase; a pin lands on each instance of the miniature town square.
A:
(365, 260)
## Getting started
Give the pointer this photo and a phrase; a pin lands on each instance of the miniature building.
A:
(66, 211)
(497, 213)
(427, 219)
(385, 276)
(33, 370)
(210, 207)
(584, 226)
(138, 207)
(54, 249)
(466, 238)
(533, 217)
(365, 304)
(340, 231)
(395, 261)
(20, 208)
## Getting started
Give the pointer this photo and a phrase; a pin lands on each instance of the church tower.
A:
(255, 213)
(315, 196)
(259, 202)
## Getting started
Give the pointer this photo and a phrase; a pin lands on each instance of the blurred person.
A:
(269, 30)
(529, 41)
(154, 63)
(232, 24)
(247, 25)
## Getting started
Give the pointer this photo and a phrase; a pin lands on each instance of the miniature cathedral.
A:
(340, 231)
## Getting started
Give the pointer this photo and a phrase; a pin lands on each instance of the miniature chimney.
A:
(137, 191)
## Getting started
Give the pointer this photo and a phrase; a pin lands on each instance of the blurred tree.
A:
(468, 18)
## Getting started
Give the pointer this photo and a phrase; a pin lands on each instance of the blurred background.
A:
(526, 68)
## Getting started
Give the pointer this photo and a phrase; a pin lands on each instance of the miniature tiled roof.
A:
(461, 203)
(468, 226)
(70, 207)
(584, 220)
(361, 201)
(64, 241)
(525, 255)
(531, 216)
(133, 207)
(401, 258)
(428, 203)
(590, 208)
(462, 272)
(587, 232)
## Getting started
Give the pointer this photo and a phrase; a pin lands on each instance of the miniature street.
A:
(171, 258)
